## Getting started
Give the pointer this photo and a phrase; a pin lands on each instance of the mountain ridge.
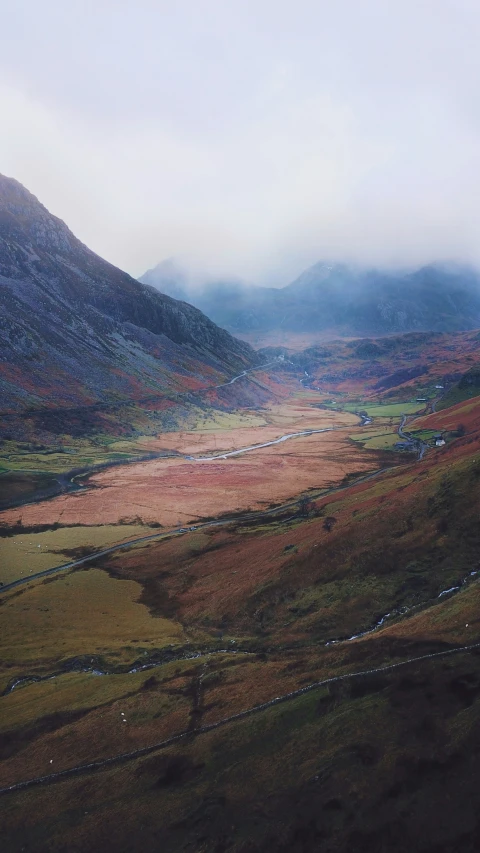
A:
(77, 331)
(350, 300)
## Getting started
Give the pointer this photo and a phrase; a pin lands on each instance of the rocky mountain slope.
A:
(76, 331)
(340, 298)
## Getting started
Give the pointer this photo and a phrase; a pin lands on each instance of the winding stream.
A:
(76, 666)
(259, 446)
(402, 611)
(122, 757)
(182, 530)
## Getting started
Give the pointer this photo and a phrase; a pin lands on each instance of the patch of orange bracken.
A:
(174, 491)
(433, 358)
(216, 573)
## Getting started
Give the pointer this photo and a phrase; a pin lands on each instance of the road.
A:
(242, 374)
(420, 446)
(179, 531)
(249, 516)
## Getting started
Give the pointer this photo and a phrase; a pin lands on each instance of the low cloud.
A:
(250, 140)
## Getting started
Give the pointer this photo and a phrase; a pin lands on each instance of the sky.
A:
(249, 139)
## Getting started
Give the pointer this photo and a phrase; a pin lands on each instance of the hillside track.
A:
(124, 757)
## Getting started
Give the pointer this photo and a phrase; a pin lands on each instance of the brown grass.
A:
(27, 553)
(84, 613)
(176, 491)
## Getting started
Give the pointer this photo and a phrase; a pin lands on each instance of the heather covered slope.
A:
(76, 331)
(231, 618)
(392, 367)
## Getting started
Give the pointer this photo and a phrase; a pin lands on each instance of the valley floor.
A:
(318, 662)
(199, 480)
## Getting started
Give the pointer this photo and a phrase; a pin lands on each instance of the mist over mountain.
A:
(335, 296)
(77, 331)
(237, 303)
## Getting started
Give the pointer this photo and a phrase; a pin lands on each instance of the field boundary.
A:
(255, 709)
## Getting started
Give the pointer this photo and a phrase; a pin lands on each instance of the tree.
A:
(329, 523)
(306, 506)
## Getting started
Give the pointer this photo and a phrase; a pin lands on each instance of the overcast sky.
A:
(252, 138)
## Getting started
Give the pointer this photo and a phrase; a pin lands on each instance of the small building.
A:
(439, 440)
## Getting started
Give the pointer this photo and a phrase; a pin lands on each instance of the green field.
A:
(81, 454)
(424, 434)
(85, 612)
(379, 410)
(377, 439)
(391, 410)
(27, 553)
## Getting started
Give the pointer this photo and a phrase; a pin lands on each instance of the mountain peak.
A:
(76, 328)
(15, 196)
(346, 298)
(24, 219)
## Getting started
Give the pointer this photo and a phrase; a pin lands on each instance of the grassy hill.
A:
(467, 388)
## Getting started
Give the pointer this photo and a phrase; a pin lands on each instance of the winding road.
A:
(242, 374)
(420, 446)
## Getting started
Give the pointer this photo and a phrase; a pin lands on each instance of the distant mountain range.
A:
(336, 297)
(77, 332)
